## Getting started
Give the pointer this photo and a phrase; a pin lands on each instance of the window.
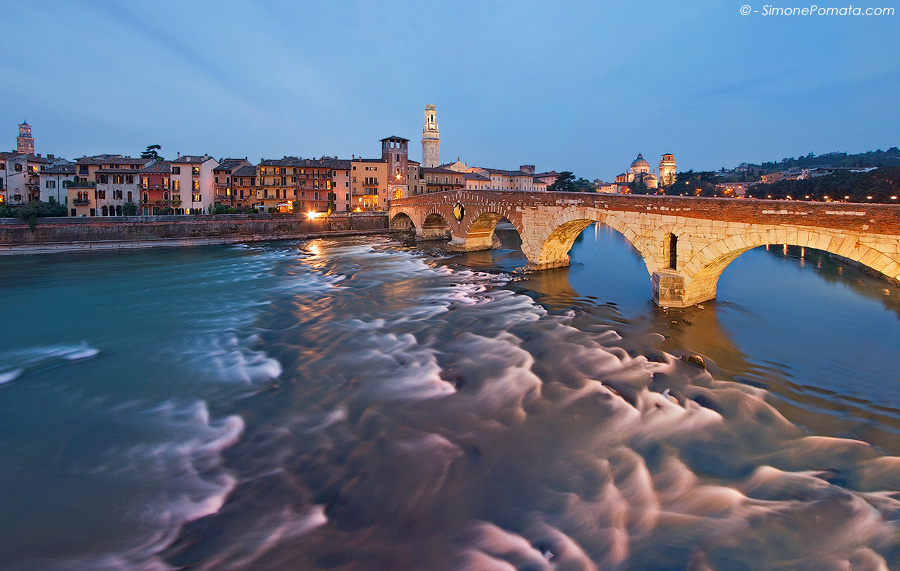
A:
(82, 169)
(176, 184)
(195, 171)
(146, 197)
(176, 170)
(101, 194)
(165, 182)
(50, 184)
(119, 179)
(145, 182)
(129, 196)
(165, 196)
(129, 179)
(18, 167)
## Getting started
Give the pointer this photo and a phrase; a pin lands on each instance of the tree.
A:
(565, 182)
(331, 205)
(37, 209)
(130, 209)
(152, 153)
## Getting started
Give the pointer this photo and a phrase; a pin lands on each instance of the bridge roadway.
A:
(686, 242)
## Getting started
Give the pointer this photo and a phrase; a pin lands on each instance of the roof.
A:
(229, 164)
(543, 174)
(60, 169)
(475, 176)
(440, 170)
(187, 159)
(368, 160)
(507, 173)
(394, 138)
(246, 170)
(112, 159)
(162, 167)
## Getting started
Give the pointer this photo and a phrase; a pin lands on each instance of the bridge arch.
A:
(550, 249)
(706, 266)
(402, 222)
(435, 227)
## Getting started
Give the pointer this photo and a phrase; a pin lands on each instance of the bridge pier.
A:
(672, 289)
(471, 244)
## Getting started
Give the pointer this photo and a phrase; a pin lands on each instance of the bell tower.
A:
(25, 142)
(431, 140)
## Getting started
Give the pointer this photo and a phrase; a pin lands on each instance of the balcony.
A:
(81, 201)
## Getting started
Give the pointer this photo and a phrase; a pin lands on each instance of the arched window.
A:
(165, 196)
(129, 196)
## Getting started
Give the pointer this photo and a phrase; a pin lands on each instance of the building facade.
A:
(395, 154)
(193, 182)
(25, 142)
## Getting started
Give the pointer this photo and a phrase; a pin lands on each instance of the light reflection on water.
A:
(359, 405)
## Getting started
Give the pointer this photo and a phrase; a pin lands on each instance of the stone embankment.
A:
(111, 233)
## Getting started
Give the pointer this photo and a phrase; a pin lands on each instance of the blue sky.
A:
(580, 86)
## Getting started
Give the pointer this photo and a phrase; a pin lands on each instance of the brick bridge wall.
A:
(709, 232)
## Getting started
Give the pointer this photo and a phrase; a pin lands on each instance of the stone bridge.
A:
(686, 242)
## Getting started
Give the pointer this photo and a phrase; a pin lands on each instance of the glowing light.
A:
(312, 215)
(869, 197)
(893, 198)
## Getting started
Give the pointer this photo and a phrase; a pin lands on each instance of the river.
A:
(357, 403)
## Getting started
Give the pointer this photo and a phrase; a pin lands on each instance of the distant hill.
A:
(879, 158)
(880, 185)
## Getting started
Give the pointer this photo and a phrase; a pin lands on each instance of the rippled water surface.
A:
(360, 404)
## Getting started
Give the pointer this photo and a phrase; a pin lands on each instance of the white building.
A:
(194, 181)
(54, 181)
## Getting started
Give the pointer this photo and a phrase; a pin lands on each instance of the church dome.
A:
(640, 165)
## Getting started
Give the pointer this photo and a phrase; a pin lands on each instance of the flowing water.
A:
(359, 404)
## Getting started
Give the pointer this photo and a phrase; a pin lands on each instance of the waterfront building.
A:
(431, 140)
(193, 183)
(369, 189)
(156, 189)
(223, 189)
(414, 178)
(243, 185)
(54, 180)
(289, 180)
(117, 182)
(341, 182)
(21, 177)
(80, 198)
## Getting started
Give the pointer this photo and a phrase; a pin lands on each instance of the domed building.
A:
(639, 172)
(639, 166)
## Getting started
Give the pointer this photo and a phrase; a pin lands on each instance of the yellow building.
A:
(368, 184)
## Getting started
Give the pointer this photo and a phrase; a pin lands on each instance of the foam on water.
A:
(17, 363)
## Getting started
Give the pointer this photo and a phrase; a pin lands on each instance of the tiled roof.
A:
(507, 173)
(60, 169)
(440, 170)
(189, 159)
(229, 165)
(394, 137)
(163, 167)
(246, 170)
(475, 176)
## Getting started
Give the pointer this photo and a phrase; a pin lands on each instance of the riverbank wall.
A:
(112, 233)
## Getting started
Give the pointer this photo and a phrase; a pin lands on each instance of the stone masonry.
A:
(706, 233)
